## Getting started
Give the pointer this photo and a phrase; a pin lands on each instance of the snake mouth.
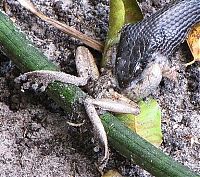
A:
(146, 83)
(149, 79)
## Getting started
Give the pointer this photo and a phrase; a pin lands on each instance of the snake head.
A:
(138, 66)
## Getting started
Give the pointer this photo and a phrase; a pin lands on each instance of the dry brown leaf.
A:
(193, 41)
(63, 27)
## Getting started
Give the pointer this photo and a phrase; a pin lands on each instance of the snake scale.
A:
(160, 33)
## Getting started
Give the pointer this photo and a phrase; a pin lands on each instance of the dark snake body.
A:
(162, 32)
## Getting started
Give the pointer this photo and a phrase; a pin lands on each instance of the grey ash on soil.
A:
(35, 139)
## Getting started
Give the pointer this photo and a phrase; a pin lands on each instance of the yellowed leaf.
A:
(148, 123)
(193, 41)
(112, 173)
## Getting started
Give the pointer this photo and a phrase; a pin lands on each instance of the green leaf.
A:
(133, 12)
(121, 13)
(148, 123)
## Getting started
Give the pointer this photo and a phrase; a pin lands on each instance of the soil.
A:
(35, 137)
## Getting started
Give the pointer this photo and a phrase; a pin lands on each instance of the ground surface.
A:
(35, 138)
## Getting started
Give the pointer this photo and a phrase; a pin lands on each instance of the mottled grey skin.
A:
(150, 42)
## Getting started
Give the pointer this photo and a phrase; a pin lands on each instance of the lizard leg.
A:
(85, 68)
(98, 127)
(118, 106)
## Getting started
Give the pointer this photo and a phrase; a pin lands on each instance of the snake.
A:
(152, 41)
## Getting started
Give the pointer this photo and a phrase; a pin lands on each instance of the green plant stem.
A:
(16, 46)
(28, 58)
(140, 151)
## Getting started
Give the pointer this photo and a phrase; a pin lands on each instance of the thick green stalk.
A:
(22, 52)
(141, 152)
(68, 96)
(16, 46)
(28, 58)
